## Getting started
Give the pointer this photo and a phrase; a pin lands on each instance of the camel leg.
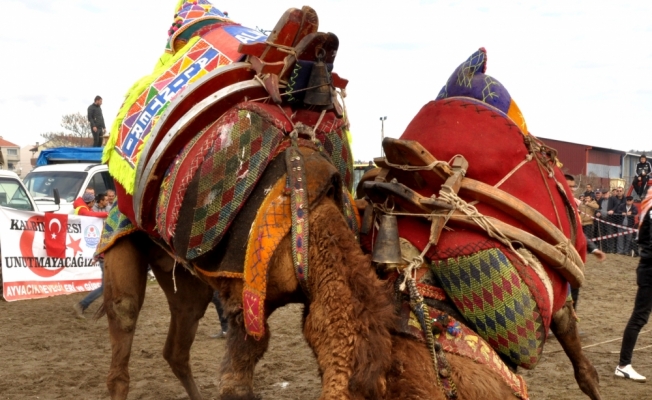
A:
(187, 307)
(243, 352)
(564, 326)
(125, 276)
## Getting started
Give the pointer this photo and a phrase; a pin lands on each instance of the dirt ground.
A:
(45, 353)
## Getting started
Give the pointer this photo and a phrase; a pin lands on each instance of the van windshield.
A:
(41, 183)
(13, 195)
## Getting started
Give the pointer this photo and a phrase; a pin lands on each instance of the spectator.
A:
(643, 300)
(96, 120)
(601, 214)
(643, 168)
(110, 198)
(614, 203)
(224, 321)
(83, 206)
(587, 208)
(625, 214)
(101, 203)
(590, 246)
(370, 166)
(589, 191)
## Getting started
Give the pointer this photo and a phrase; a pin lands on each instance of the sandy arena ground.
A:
(45, 353)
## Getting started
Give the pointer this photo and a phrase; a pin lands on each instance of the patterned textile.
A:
(168, 189)
(273, 221)
(332, 133)
(466, 343)
(351, 212)
(192, 15)
(470, 80)
(296, 178)
(486, 288)
(244, 143)
(116, 225)
(205, 48)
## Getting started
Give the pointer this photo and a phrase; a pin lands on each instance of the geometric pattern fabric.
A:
(487, 289)
(116, 225)
(228, 172)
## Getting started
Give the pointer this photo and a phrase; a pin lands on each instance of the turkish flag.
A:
(56, 228)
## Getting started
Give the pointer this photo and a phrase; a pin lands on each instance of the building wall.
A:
(572, 155)
(11, 160)
(25, 164)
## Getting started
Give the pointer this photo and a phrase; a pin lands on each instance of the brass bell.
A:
(387, 249)
(319, 84)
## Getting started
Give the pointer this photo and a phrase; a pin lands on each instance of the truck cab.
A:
(71, 180)
(71, 171)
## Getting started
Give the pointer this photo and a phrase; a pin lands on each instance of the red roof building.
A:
(599, 164)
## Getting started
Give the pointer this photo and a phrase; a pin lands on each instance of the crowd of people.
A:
(608, 216)
(611, 219)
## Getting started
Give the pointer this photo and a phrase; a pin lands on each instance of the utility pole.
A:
(382, 135)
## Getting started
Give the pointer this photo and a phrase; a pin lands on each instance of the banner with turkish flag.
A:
(48, 254)
(56, 226)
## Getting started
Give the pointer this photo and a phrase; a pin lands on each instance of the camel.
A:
(204, 175)
(349, 320)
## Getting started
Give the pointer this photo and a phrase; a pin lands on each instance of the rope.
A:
(552, 201)
(483, 222)
(598, 344)
(528, 158)
(432, 165)
(174, 278)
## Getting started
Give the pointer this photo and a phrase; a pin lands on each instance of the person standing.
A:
(224, 321)
(614, 203)
(83, 206)
(642, 301)
(96, 120)
(110, 198)
(101, 203)
(587, 208)
(590, 246)
(626, 212)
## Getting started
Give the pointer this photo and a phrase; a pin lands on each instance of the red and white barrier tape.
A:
(609, 223)
(626, 229)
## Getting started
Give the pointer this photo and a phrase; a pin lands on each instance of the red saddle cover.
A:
(493, 146)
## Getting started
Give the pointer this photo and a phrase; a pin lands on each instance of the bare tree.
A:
(76, 133)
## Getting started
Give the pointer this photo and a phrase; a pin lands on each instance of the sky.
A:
(579, 70)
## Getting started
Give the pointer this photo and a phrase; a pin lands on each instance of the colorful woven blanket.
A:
(212, 177)
(116, 225)
(457, 338)
(200, 40)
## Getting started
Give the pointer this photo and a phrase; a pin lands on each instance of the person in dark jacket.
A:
(643, 167)
(96, 120)
(614, 202)
(625, 214)
(643, 300)
(591, 248)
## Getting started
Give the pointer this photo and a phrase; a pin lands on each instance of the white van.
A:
(71, 180)
(13, 193)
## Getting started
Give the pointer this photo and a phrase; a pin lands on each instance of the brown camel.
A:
(350, 321)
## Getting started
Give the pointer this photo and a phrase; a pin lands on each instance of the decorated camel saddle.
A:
(484, 215)
(202, 143)
(167, 131)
